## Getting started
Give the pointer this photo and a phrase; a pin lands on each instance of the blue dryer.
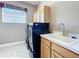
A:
(37, 30)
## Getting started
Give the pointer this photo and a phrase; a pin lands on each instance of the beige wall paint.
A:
(15, 32)
(66, 12)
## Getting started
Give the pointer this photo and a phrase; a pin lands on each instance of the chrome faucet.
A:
(62, 28)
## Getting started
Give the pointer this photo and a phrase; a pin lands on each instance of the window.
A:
(13, 16)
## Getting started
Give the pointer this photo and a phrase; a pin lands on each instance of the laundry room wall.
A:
(66, 12)
(13, 32)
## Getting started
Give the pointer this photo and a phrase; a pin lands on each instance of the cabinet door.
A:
(47, 14)
(45, 51)
(42, 50)
(56, 55)
(41, 15)
(63, 51)
(52, 53)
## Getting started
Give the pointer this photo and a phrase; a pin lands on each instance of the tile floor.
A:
(15, 51)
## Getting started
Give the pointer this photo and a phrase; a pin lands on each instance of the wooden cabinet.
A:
(52, 53)
(52, 50)
(42, 15)
(63, 52)
(45, 48)
(56, 55)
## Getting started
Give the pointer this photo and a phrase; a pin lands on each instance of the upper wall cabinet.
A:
(42, 15)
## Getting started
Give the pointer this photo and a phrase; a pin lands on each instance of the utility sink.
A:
(63, 39)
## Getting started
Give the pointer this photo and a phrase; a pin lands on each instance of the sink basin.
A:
(63, 39)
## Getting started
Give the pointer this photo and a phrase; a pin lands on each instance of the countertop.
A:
(74, 47)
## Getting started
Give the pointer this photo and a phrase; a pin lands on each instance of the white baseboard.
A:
(12, 43)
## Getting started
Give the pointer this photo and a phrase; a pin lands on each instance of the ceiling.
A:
(35, 3)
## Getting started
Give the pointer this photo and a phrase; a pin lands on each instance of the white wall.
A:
(15, 32)
(66, 12)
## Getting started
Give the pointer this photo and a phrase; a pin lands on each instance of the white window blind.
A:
(13, 16)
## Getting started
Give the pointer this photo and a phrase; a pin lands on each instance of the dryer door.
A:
(30, 33)
(30, 37)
